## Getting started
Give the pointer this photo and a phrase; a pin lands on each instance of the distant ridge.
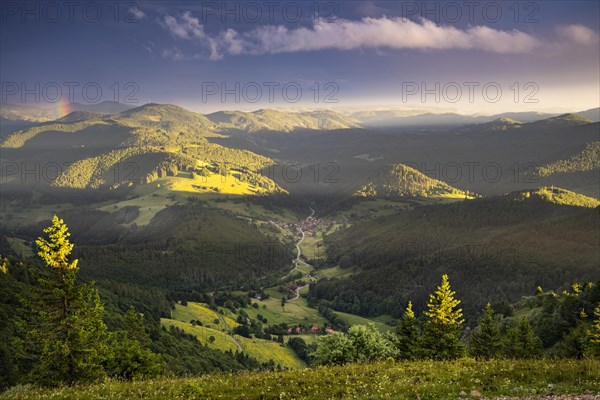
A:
(281, 121)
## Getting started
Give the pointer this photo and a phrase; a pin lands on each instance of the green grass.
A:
(222, 340)
(201, 312)
(262, 350)
(357, 320)
(295, 312)
(333, 272)
(408, 380)
(265, 350)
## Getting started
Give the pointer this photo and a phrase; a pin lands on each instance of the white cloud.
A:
(189, 27)
(577, 34)
(367, 33)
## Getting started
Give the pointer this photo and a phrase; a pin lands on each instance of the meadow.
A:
(388, 380)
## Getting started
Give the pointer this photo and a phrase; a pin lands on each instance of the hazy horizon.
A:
(208, 56)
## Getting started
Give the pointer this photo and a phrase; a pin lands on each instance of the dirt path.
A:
(297, 291)
(239, 346)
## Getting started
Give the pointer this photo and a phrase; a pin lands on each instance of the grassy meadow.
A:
(407, 380)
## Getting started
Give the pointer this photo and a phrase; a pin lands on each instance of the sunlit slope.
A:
(137, 147)
(212, 325)
(397, 181)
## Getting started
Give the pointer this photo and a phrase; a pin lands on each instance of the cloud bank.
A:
(367, 33)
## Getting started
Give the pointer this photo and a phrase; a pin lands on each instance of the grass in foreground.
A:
(408, 380)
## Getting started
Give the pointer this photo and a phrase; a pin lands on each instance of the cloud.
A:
(367, 33)
(189, 28)
(577, 34)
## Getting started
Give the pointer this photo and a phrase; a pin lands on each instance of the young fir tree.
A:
(485, 339)
(593, 348)
(522, 342)
(129, 357)
(441, 337)
(66, 328)
(407, 335)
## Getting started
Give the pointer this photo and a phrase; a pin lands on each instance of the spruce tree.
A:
(441, 337)
(522, 342)
(130, 356)
(407, 335)
(66, 329)
(593, 348)
(485, 339)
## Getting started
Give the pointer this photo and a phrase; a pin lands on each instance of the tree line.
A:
(442, 336)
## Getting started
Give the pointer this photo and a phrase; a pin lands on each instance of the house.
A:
(329, 330)
(314, 329)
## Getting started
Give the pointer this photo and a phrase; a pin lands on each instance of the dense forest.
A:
(497, 250)
(57, 328)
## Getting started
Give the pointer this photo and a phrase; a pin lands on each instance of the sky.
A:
(481, 57)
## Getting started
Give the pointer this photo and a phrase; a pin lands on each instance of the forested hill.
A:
(494, 249)
(399, 180)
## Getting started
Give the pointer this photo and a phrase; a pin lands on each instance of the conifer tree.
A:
(407, 335)
(522, 342)
(441, 337)
(66, 328)
(130, 357)
(485, 339)
(594, 335)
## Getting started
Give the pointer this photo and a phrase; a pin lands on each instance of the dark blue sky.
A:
(173, 51)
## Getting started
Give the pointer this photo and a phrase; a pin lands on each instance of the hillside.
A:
(187, 248)
(494, 249)
(586, 160)
(555, 196)
(398, 181)
(136, 147)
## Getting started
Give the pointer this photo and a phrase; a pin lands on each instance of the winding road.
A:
(298, 258)
(229, 330)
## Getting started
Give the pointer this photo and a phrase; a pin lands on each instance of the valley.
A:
(300, 200)
(257, 258)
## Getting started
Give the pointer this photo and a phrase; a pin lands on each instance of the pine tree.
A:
(594, 335)
(66, 328)
(129, 356)
(485, 339)
(522, 342)
(407, 335)
(441, 337)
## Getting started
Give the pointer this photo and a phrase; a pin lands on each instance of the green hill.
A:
(185, 247)
(555, 196)
(493, 249)
(139, 146)
(399, 181)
